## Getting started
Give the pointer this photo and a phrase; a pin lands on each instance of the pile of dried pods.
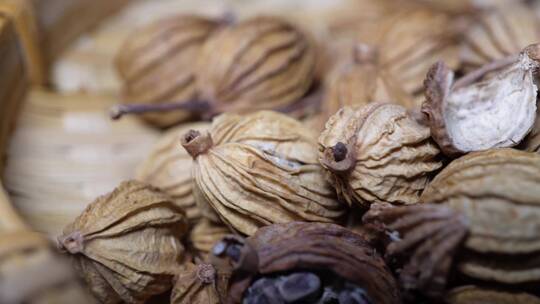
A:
(406, 170)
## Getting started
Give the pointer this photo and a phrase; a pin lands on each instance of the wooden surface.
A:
(61, 21)
(65, 152)
(13, 82)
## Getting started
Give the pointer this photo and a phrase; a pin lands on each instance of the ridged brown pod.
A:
(477, 295)
(378, 153)
(474, 114)
(482, 211)
(126, 244)
(200, 284)
(260, 63)
(30, 272)
(360, 80)
(156, 64)
(498, 32)
(297, 261)
(169, 168)
(260, 169)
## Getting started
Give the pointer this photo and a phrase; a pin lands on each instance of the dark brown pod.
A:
(298, 247)
(156, 64)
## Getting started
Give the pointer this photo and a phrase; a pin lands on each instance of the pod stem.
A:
(339, 158)
(485, 69)
(196, 143)
(193, 106)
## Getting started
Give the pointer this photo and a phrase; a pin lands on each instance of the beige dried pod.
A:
(260, 63)
(479, 217)
(156, 63)
(205, 234)
(30, 272)
(360, 80)
(260, 169)
(126, 244)
(200, 284)
(169, 168)
(472, 115)
(478, 295)
(498, 32)
(378, 153)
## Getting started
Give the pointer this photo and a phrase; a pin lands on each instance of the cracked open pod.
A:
(260, 169)
(479, 219)
(474, 114)
(309, 263)
(126, 244)
(378, 153)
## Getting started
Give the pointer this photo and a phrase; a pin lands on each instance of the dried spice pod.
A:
(492, 196)
(498, 32)
(378, 153)
(30, 272)
(205, 234)
(134, 218)
(264, 63)
(294, 262)
(260, 169)
(477, 295)
(169, 169)
(473, 115)
(360, 80)
(426, 237)
(200, 284)
(156, 63)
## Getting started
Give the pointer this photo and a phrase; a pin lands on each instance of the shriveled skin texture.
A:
(137, 219)
(200, 284)
(493, 113)
(532, 141)
(169, 168)
(260, 63)
(261, 169)
(499, 32)
(499, 193)
(156, 64)
(359, 81)
(205, 234)
(477, 295)
(423, 240)
(387, 155)
(314, 246)
(31, 272)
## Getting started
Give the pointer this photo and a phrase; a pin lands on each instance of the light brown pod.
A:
(156, 64)
(205, 234)
(477, 295)
(260, 63)
(169, 168)
(378, 153)
(360, 80)
(499, 32)
(200, 284)
(260, 169)
(137, 219)
(483, 208)
(470, 115)
(30, 272)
